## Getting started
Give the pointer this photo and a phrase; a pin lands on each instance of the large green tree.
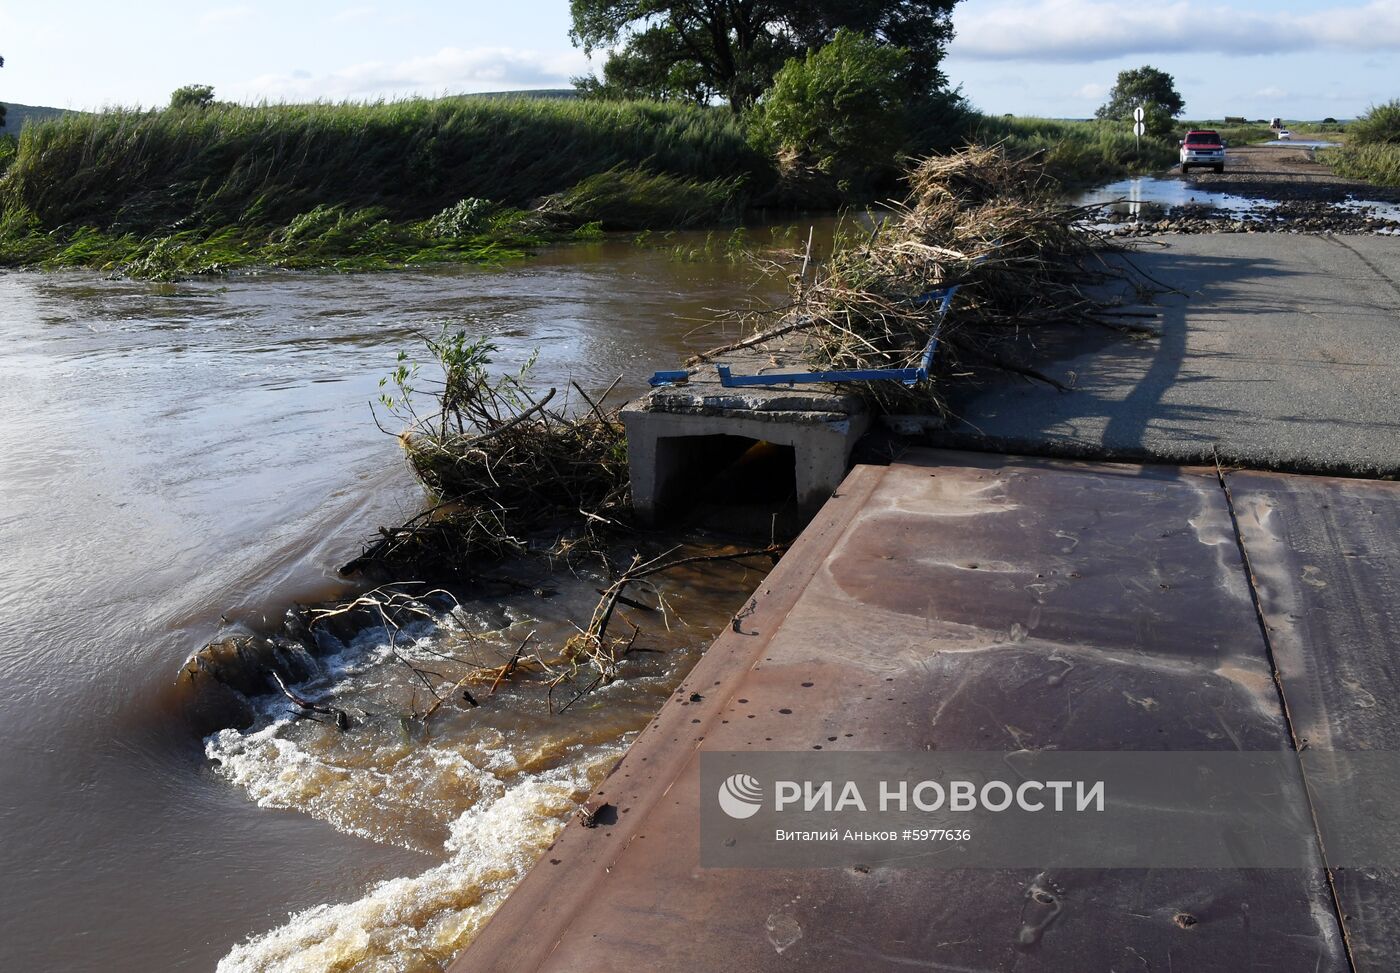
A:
(700, 50)
(1150, 88)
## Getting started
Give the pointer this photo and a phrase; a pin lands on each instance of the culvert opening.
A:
(733, 483)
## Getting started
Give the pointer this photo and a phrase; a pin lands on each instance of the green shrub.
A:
(937, 122)
(1380, 125)
(1372, 149)
(466, 217)
(842, 109)
(192, 96)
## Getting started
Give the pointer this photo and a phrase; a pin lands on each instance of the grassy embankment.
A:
(166, 193)
(1372, 149)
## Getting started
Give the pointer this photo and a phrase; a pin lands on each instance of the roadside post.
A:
(1139, 128)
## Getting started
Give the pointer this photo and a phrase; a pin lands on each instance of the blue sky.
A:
(1051, 57)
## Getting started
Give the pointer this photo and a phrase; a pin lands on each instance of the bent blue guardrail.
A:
(907, 376)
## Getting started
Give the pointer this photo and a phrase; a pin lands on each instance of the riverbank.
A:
(361, 186)
(169, 194)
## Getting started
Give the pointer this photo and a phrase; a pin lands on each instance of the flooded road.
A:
(181, 461)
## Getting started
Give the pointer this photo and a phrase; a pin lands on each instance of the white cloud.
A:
(451, 69)
(1090, 30)
(1272, 93)
(1092, 92)
(223, 17)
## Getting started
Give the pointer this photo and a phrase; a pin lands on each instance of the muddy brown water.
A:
(184, 461)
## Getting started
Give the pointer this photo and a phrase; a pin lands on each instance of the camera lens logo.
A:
(740, 796)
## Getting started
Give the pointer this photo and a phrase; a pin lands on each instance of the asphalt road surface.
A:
(1282, 351)
(1284, 172)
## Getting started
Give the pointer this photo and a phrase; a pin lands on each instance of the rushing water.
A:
(182, 461)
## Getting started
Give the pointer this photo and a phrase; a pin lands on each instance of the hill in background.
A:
(17, 116)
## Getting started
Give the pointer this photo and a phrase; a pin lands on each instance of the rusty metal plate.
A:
(1324, 552)
(960, 602)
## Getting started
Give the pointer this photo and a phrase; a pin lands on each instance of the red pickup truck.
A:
(1203, 148)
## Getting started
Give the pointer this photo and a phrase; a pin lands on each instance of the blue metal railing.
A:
(907, 376)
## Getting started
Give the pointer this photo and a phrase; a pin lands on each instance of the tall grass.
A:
(1372, 149)
(138, 171)
(1380, 125)
(1376, 164)
(166, 193)
(631, 199)
(1077, 153)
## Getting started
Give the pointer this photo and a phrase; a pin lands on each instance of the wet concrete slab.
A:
(1324, 555)
(950, 601)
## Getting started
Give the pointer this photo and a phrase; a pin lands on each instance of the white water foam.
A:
(417, 924)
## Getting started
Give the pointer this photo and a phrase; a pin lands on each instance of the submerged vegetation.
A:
(634, 199)
(331, 237)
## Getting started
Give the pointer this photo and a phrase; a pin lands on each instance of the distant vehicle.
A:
(1204, 149)
(1284, 135)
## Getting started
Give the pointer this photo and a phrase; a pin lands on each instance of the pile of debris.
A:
(981, 219)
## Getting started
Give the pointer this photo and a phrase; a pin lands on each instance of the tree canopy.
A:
(192, 96)
(1154, 90)
(699, 50)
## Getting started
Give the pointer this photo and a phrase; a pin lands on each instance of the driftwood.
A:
(592, 647)
(528, 467)
(342, 719)
(509, 667)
